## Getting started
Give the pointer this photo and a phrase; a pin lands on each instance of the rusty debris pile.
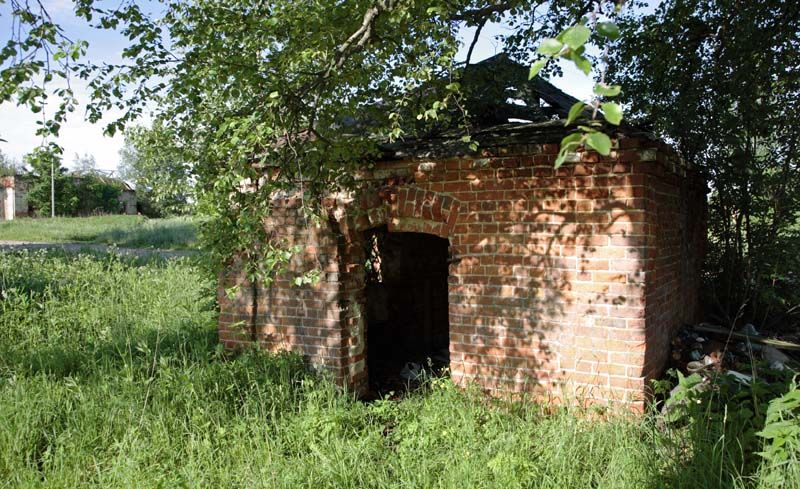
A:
(705, 348)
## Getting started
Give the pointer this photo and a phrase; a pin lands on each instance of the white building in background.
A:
(8, 210)
(14, 196)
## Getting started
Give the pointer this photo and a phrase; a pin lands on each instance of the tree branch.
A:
(482, 14)
(475, 40)
(361, 36)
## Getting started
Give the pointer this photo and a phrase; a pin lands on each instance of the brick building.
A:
(14, 195)
(566, 283)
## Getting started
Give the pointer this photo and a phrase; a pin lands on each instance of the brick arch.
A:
(401, 208)
(408, 209)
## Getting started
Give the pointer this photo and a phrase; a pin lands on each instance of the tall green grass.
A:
(111, 376)
(121, 230)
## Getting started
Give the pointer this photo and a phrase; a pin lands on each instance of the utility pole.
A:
(52, 188)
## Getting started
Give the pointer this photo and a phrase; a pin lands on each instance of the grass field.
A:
(122, 230)
(111, 376)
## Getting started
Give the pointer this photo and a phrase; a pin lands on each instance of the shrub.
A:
(781, 432)
(66, 196)
(98, 196)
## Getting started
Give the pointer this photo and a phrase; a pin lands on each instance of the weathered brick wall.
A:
(280, 315)
(675, 209)
(567, 283)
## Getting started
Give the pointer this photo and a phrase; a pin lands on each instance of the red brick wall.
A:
(281, 316)
(567, 283)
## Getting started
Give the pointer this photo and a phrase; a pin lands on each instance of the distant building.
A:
(127, 197)
(14, 195)
(7, 195)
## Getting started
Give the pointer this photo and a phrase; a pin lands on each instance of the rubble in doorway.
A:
(395, 376)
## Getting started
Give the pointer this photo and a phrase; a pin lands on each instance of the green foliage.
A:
(111, 376)
(66, 202)
(8, 167)
(97, 195)
(612, 112)
(570, 45)
(49, 178)
(159, 168)
(737, 416)
(599, 142)
(782, 434)
(719, 80)
(270, 97)
(121, 230)
(75, 193)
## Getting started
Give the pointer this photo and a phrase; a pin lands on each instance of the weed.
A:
(120, 230)
(111, 376)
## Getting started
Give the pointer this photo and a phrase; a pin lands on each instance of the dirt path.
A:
(101, 248)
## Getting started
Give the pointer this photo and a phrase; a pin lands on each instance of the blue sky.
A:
(18, 125)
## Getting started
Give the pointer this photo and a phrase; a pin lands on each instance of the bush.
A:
(782, 435)
(98, 196)
(76, 196)
(66, 196)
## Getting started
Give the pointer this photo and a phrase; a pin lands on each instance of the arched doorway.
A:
(407, 308)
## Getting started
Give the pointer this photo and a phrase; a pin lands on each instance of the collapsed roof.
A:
(498, 91)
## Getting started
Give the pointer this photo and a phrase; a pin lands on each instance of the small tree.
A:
(50, 179)
(85, 163)
(158, 167)
(8, 167)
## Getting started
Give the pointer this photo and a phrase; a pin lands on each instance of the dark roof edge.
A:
(451, 145)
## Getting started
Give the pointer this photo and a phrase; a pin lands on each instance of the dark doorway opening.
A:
(408, 333)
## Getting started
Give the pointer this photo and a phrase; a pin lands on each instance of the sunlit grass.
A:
(122, 230)
(111, 376)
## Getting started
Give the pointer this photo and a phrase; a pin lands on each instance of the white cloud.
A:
(18, 128)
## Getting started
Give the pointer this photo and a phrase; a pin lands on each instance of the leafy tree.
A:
(721, 79)
(42, 161)
(97, 195)
(8, 167)
(157, 165)
(248, 87)
(85, 163)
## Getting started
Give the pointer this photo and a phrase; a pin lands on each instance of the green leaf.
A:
(550, 47)
(574, 112)
(599, 142)
(607, 90)
(581, 63)
(612, 112)
(569, 143)
(576, 36)
(565, 149)
(536, 68)
(608, 29)
(575, 137)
